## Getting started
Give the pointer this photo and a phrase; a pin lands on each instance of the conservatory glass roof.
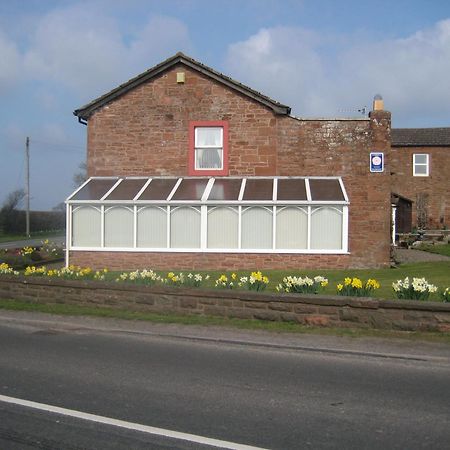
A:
(235, 190)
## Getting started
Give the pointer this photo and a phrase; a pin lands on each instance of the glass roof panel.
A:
(127, 189)
(95, 189)
(190, 189)
(325, 189)
(225, 189)
(158, 189)
(291, 189)
(258, 189)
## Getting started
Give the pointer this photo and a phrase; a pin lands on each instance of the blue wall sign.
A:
(376, 161)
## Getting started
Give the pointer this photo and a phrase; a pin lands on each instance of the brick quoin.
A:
(145, 132)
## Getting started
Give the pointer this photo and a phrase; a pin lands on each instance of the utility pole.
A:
(27, 185)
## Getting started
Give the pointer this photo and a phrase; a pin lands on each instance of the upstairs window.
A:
(421, 166)
(208, 148)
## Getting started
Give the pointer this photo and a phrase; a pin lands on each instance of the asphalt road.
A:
(270, 391)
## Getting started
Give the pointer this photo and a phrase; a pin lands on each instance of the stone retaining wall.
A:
(317, 310)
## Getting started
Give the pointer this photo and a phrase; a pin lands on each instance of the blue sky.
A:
(324, 58)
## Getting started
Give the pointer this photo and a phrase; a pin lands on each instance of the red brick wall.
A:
(436, 186)
(145, 132)
(206, 261)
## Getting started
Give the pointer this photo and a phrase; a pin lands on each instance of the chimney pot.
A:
(378, 104)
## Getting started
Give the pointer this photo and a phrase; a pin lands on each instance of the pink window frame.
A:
(191, 161)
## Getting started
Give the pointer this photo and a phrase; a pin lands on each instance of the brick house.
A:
(192, 170)
(420, 170)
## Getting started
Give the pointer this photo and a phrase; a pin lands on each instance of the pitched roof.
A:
(85, 111)
(421, 137)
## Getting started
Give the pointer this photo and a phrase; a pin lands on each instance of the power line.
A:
(46, 142)
(58, 145)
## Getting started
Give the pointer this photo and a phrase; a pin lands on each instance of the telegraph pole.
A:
(27, 185)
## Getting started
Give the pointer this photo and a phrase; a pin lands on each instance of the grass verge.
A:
(279, 327)
(440, 249)
(34, 235)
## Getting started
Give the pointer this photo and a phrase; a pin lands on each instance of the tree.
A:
(8, 212)
(81, 176)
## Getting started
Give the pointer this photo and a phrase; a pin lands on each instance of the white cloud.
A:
(76, 47)
(282, 62)
(309, 73)
(9, 62)
(81, 47)
(160, 38)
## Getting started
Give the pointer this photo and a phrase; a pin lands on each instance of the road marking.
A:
(128, 425)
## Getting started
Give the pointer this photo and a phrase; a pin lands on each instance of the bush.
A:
(14, 221)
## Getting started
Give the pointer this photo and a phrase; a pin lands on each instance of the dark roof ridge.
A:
(85, 111)
(421, 137)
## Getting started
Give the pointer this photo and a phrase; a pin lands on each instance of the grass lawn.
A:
(443, 249)
(437, 273)
(278, 327)
(34, 235)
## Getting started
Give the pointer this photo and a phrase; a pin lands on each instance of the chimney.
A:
(378, 104)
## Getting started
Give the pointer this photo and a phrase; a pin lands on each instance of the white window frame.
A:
(203, 147)
(426, 165)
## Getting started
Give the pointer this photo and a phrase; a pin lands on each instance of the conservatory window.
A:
(119, 226)
(257, 227)
(292, 228)
(86, 226)
(185, 227)
(223, 227)
(152, 227)
(326, 228)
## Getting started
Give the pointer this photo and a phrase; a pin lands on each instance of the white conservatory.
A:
(232, 214)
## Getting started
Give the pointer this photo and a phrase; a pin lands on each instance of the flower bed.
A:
(417, 289)
(20, 258)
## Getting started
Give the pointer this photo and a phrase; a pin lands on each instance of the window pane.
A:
(420, 159)
(292, 228)
(257, 227)
(326, 228)
(225, 189)
(86, 227)
(208, 137)
(291, 189)
(420, 169)
(258, 189)
(208, 158)
(223, 226)
(95, 189)
(190, 189)
(127, 189)
(158, 189)
(185, 227)
(324, 189)
(152, 227)
(119, 227)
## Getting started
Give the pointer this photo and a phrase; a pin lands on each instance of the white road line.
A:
(128, 425)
